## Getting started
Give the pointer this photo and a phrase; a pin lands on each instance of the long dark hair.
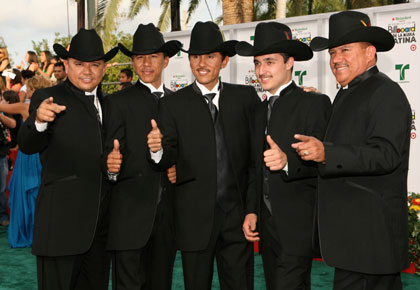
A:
(48, 57)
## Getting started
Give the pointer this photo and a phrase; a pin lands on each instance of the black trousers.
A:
(234, 256)
(349, 280)
(150, 267)
(87, 271)
(159, 254)
(281, 271)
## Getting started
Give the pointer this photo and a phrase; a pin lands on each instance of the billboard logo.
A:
(178, 81)
(402, 68)
(302, 34)
(300, 75)
(251, 80)
(402, 31)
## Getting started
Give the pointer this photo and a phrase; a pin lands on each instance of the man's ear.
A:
(290, 62)
(370, 52)
(225, 61)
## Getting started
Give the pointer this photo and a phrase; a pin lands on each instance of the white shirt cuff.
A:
(286, 169)
(156, 156)
(41, 127)
(112, 176)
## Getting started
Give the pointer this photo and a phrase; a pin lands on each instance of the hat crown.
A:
(347, 21)
(205, 35)
(268, 33)
(86, 43)
(147, 38)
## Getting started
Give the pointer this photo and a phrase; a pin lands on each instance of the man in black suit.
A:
(71, 214)
(363, 161)
(207, 134)
(286, 186)
(141, 233)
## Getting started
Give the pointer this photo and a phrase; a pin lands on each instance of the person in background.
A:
(7, 123)
(26, 74)
(46, 68)
(25, 179)
(30, 62)
(126, 77)
(123, 86)
(14, 80)
(2, 86)
(59, 72)
(362, 160)
(4, 61)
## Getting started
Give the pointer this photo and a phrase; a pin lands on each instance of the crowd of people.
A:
(132, 177)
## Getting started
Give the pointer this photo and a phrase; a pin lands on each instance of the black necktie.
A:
(266, 172)
(270, 107)
(91, 98)
(157, 95)
(212, 106)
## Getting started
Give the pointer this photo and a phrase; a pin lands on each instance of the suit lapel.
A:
(260, 125)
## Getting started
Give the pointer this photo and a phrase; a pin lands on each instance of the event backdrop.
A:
(401, 64)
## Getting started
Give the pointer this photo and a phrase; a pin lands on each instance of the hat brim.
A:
(377, 36)
(295, 48)
(170, 48)
(64, 54)
(227, 47)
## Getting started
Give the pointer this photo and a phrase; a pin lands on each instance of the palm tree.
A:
(237, 11)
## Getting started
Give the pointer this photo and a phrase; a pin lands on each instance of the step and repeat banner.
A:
(401, 64)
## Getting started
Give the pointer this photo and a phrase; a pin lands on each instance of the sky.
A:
(25, 20)
(22, 21)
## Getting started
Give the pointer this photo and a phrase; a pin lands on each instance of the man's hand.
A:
(274, 158)
(310, 89)
(48, 110)
(249, 227)
(309, 148)
(154, 138)
(172, 174)
(114, 159)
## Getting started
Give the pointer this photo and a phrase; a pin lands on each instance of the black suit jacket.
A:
(189, 141)
(292, 195)
(134, 196)
(70, 149)
(363, 185)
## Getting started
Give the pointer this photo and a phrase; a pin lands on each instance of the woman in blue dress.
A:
(25, 180)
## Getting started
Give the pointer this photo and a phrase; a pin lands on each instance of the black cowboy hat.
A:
(353, 26)
(147, 40)
(206, 37)
(274, 37)
(86, 45)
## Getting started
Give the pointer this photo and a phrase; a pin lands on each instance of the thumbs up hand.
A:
(47, 111)
(154, 138)
(114, 159)
(274, 158)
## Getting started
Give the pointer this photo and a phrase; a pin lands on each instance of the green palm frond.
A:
(107, 20)
(165, 16)
(219, 20)
(192, 7)
(135, 7)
